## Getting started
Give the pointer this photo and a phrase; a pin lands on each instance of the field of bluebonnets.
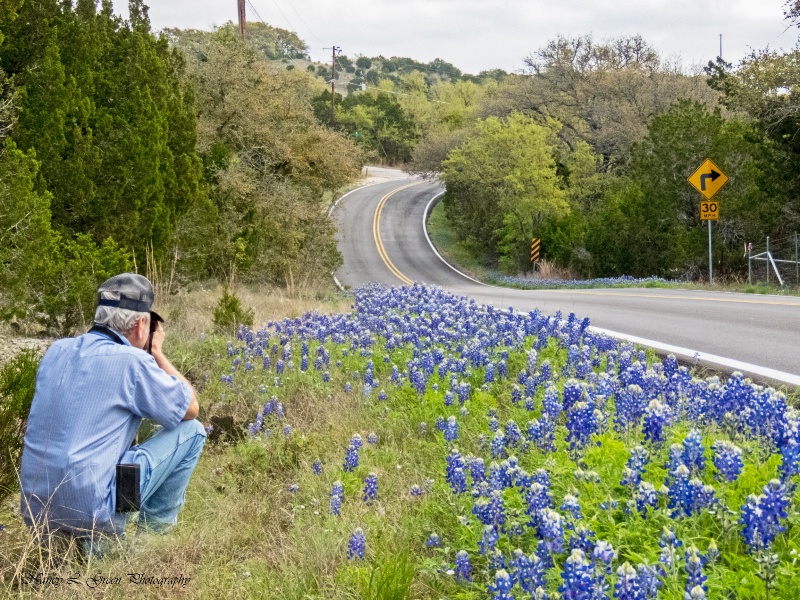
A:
(552, 462)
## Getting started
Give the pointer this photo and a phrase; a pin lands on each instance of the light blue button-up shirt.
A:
(91, 395)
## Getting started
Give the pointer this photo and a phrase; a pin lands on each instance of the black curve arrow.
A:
(713, 175)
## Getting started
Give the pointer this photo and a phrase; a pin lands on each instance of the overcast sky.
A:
(483, 34)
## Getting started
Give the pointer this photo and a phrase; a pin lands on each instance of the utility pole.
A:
(242, 19)
(334, 50)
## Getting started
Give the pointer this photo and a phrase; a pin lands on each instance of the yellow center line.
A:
(376, 233)
(698, 298)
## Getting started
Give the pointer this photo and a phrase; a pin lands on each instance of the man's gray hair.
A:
(121, 320)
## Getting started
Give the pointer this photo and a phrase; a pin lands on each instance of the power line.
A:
(304, 23)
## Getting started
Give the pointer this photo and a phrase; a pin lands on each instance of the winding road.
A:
(382, 239)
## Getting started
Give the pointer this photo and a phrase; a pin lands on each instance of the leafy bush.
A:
(17, 384)
(229, 312)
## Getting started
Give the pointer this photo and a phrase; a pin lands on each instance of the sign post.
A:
(708, 179)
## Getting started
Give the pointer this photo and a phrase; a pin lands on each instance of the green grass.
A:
(453, 251)
(469, 261)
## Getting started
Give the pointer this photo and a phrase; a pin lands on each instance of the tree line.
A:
(589, 148)
(194, 153)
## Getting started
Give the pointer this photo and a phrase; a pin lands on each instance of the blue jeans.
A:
(167, 460)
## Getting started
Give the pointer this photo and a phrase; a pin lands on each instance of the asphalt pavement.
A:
(382, 239)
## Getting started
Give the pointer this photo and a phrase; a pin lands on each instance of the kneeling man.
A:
(92, 392)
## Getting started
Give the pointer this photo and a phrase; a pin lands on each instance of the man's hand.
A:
(158, 340)
(156, 350)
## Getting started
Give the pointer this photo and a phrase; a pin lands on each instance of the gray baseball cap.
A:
(135, 293)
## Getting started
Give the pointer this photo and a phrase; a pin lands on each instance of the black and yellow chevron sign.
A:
(535, 243)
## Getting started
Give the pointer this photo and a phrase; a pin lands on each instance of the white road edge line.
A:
(430, 243)
(728, 365)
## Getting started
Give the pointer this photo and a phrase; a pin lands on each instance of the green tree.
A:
(104, 107)
(502, 185)
(269, 165)
(651, 219)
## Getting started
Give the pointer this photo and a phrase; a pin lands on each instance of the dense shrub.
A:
(17, 384)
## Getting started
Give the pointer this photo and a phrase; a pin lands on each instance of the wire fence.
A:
(775, 261)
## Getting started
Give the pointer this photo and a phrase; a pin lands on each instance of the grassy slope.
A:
(243, 534)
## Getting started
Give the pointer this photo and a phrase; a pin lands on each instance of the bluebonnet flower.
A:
(304, 363)
(694, 570)
(351, 459)
(279, 366)
(727, 460)
(577, 575)
(528, 571)
(370, 488)
(657, 416)
(693, 452)
(542, 433)
(372, 438)
(449, 398)
(337, 493)
(498, 443)
(494, 424)
(583, 539)
(367, 390)
(357, 544)
(463, 568)
(455, 472)
(762, 516)
(551, 529)
(477, 469)
(256, 425)
(712, 553)
(581, 424)
(627, 586)
(294, 488)
(513, 433)
(415, 490)
(489, 375)
(696, 593)
(675, 457)
(516, 394)
(645, 496)
(533, 358)
(356, 441)
(572, 506)
(326, 377)
(551, 407)
(490, 511)
(348, 387)
(630, 407)
(463, 391)
(604, 553)
(490, 538)
(441, 424)
(649, 580)
(669, 543)
(266, 364)
(451, 429)
(287, 430)
(502, 586)
(316, 467)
